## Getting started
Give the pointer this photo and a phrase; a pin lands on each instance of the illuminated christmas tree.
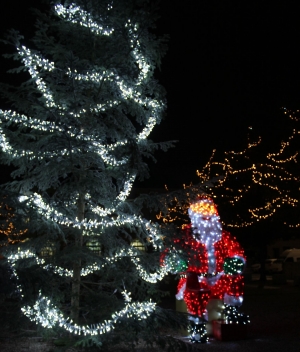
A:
(77, 139)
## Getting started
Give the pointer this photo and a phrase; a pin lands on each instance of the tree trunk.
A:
(75, 298)
(263, 256)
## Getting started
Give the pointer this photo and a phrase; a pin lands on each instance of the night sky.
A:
(230, 65)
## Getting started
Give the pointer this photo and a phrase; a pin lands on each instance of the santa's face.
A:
(205, 222)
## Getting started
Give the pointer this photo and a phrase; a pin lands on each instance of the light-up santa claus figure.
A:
(215, 261)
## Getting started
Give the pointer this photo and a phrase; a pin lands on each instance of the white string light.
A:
(43, 312)
(76, 15)
(131, 253)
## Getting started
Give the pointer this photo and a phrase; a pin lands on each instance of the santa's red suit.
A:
(197, 285)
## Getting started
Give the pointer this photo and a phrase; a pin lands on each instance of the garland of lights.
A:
(43, 312)
(130, 252)
(49, 212)
(76, 15)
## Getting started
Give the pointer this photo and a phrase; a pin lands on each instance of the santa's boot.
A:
(197, 330)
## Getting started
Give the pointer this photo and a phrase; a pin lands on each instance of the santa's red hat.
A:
(204, 206)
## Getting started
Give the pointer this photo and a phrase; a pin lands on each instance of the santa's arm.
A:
(235, 263)
(173, 260)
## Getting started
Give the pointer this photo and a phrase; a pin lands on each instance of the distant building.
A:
(275, 249)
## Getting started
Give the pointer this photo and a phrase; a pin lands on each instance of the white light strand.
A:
(32, 61)
(49, 212)
(14, 117)
(119, 199)
(126, 93)
(45, 313)
(144, 66)
(5, 146)
(76, 15)
(50, 127)
(131, 253)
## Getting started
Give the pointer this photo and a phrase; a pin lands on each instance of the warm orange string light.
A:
(273, 175)
(8, 228)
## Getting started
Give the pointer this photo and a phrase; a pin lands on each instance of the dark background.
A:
(230, 65)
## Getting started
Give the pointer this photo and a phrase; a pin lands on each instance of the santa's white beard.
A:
(207, 232)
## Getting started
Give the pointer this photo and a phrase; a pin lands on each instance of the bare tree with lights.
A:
(257, 184)
(256, 189)
(77, 137)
